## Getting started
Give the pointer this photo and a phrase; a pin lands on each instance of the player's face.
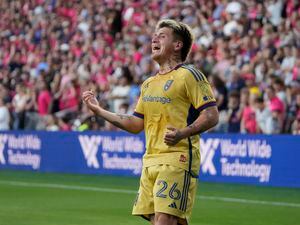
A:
(162, 44)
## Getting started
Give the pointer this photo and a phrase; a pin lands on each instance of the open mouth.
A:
(156, 48)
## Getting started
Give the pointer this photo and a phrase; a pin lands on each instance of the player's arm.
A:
(207, 119)
(129, 123)
(200, 94)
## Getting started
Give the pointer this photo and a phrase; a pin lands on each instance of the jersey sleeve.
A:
(198, 90)
(139, 108)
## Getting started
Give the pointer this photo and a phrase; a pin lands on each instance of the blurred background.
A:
(53, 50)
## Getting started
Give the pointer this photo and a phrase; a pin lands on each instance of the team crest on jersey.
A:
(168, 84)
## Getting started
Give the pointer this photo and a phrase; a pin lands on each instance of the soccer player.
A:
(175, 106)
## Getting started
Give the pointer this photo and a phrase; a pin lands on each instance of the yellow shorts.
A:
(166, 189)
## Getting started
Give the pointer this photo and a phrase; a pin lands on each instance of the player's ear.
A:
(178, 45)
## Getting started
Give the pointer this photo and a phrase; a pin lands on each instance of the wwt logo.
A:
(89, 146)
(208, 149)
(3, 140)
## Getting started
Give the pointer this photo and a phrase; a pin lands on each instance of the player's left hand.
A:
(172, 136)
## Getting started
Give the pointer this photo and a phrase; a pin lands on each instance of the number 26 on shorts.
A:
(173, 193)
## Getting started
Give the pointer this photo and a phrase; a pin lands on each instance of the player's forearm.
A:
(129, 123)
(206, 120)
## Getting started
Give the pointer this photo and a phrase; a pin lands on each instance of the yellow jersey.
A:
(175, 99)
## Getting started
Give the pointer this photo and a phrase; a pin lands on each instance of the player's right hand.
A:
(172, 136)
(90, 100)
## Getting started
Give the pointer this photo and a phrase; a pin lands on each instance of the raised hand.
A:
(90, 100)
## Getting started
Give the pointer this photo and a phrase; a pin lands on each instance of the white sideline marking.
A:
(248, 201)
(123, 191)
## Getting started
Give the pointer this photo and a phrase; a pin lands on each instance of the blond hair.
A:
(181, 32)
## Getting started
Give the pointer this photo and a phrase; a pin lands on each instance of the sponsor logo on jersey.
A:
(163, 100)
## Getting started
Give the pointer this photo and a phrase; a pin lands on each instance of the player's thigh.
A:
(165, 219)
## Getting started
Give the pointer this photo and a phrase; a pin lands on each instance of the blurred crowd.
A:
(53, 50)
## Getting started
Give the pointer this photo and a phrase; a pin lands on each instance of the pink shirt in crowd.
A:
(248, 117)
(276, 104)
(44, 101)
(68, 99)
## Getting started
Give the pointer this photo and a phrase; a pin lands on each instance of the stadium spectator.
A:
(244, 43)
(19, 102)
(233, 113)
(120, 92)
(288, 63)
(248, 120)
(4, 115)
(274, 123)
(279, 88)
(274, 102)
(235, 81)
(5, 96)
(51, 123)
(296, 126)
(31, 115)
(44, 98)
(262, 114)
(220, 91)
(274, 11)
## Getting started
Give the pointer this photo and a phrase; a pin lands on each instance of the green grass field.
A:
(28, 198)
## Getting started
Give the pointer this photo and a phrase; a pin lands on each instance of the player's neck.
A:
(168, 66)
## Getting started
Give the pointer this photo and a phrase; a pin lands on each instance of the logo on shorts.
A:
(168, 84)
(182, 158)
(173, 205)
